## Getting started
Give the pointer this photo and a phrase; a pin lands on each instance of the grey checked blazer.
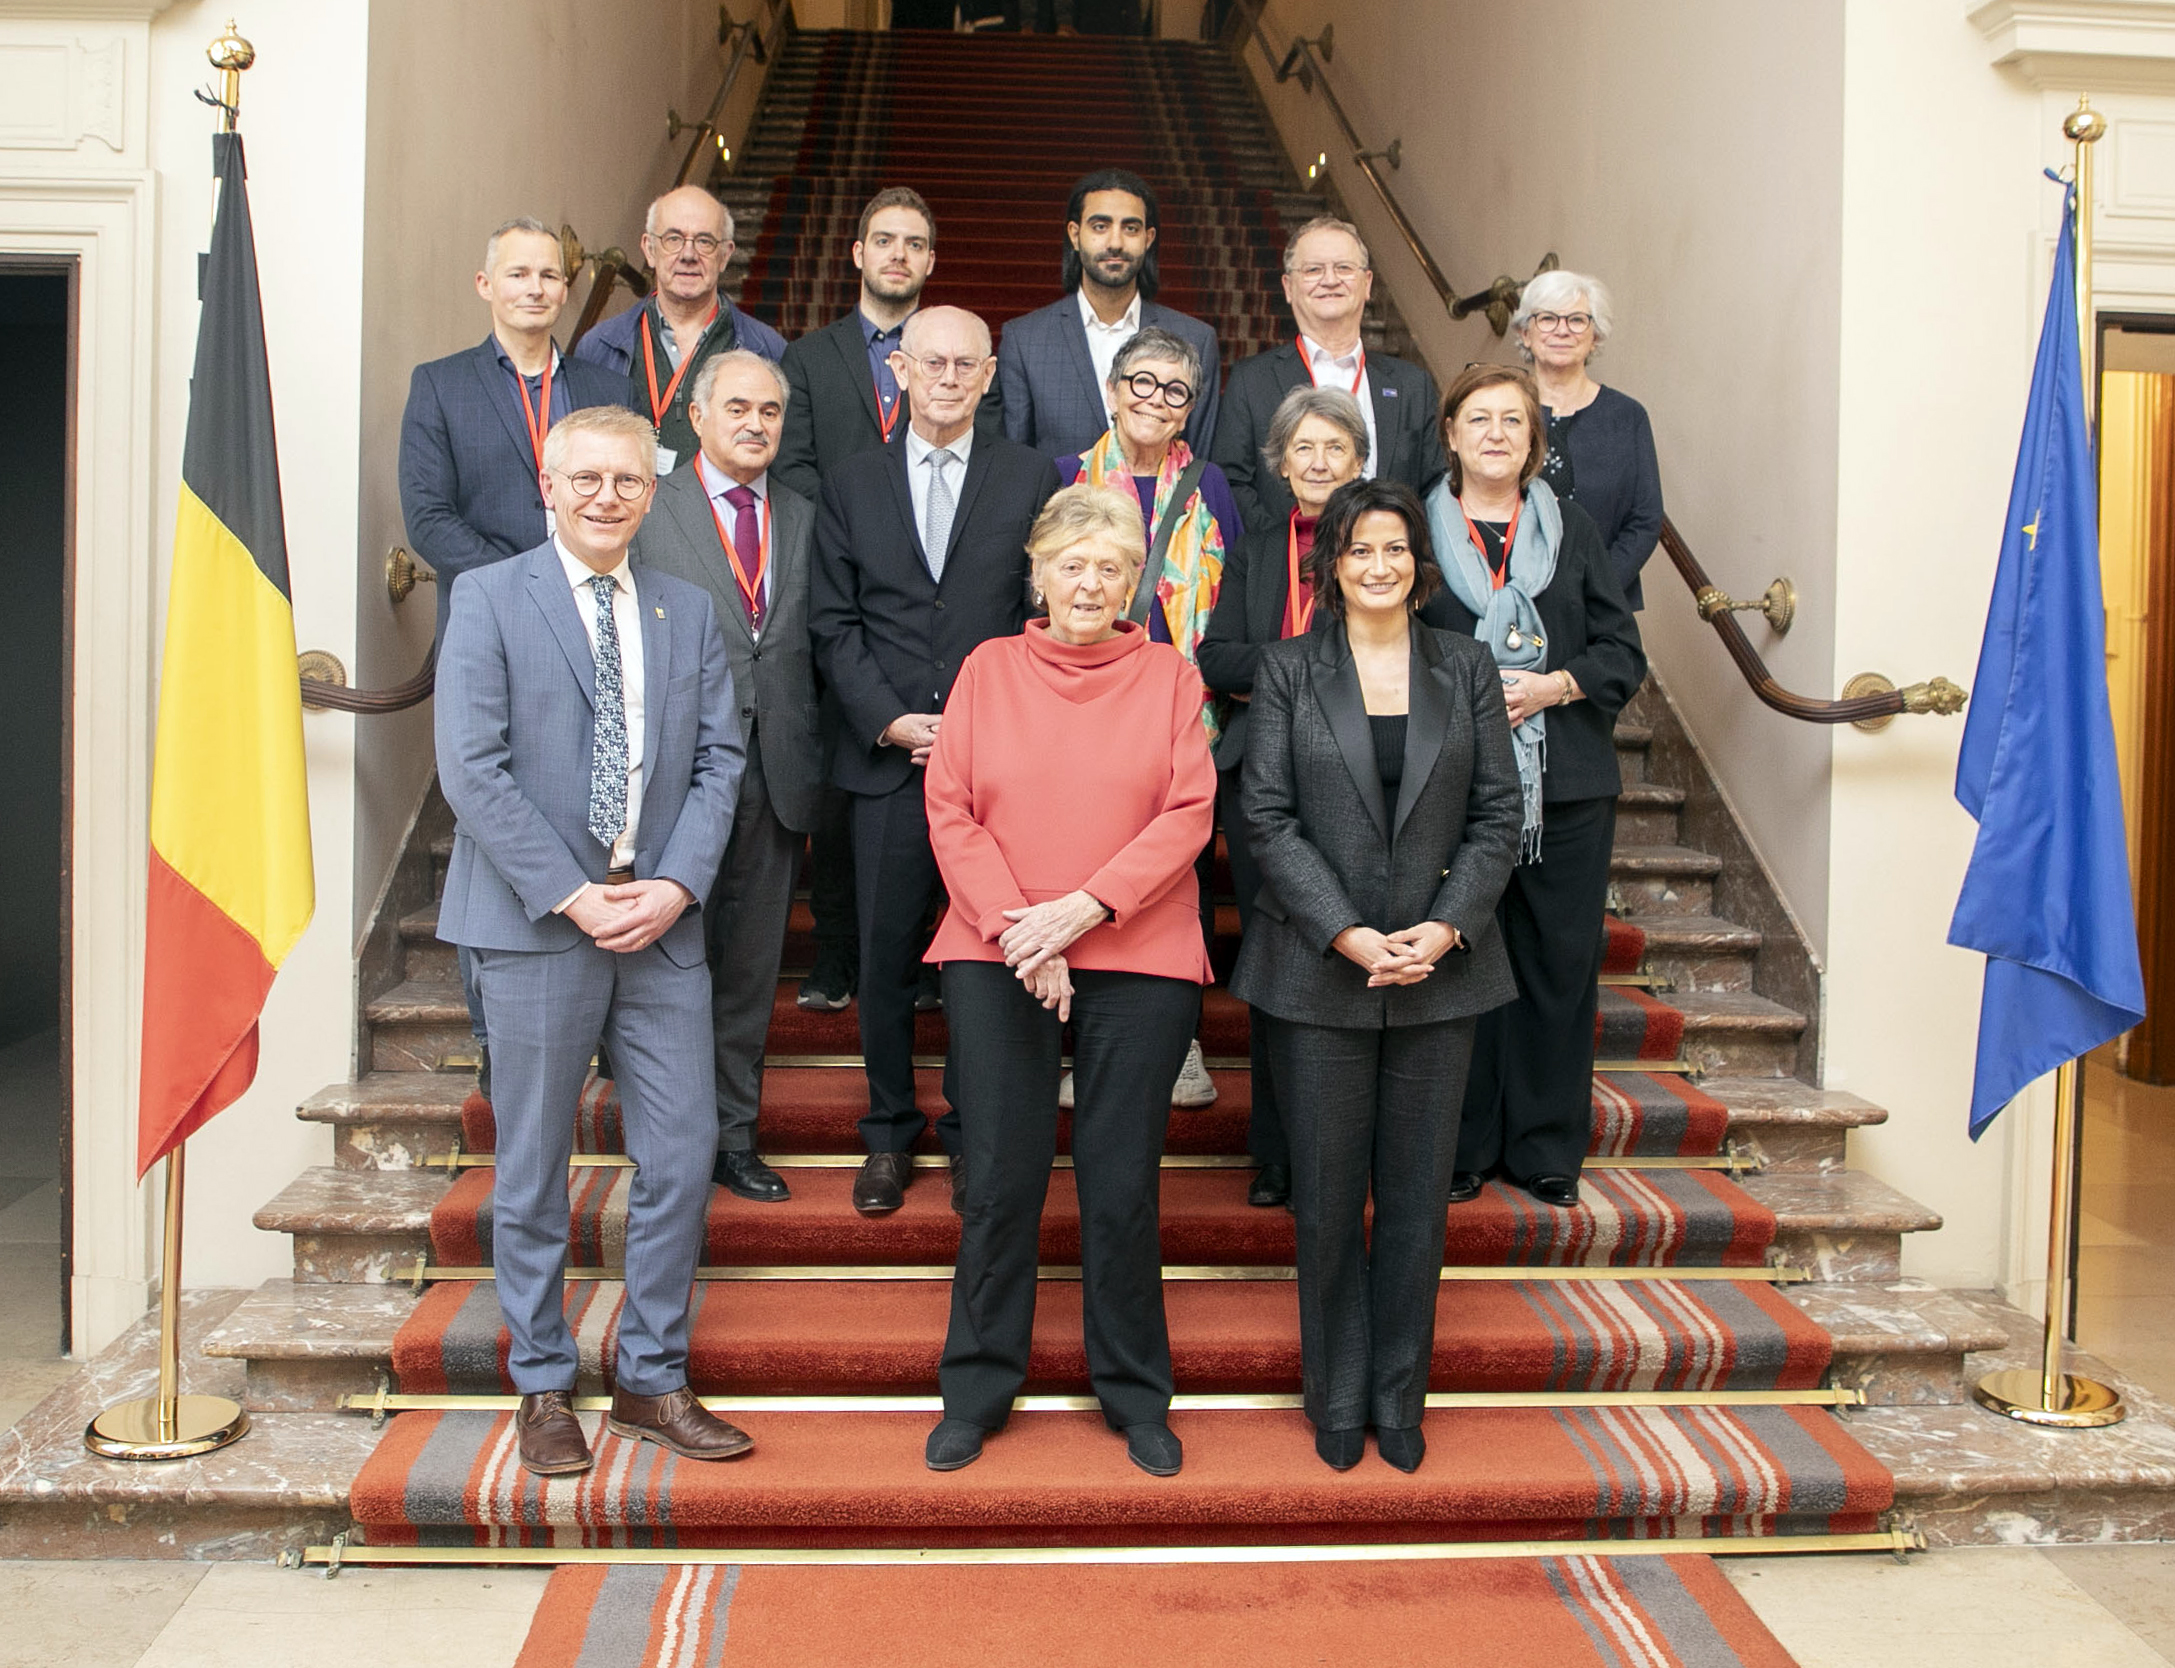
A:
(1046, 378)
(516, 705)
(1334, 854)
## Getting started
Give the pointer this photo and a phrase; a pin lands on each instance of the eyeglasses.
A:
(1315, 271)
(935, 365)
(671, 243)
(1548, 323)
(587, 483)
(1147, 386)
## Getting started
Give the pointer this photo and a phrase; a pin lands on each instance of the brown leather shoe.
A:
(677, 1421)
(880, 1188)
(552, 1444)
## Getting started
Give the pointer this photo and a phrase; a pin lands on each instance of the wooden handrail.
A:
(745, 39)
(337, 697)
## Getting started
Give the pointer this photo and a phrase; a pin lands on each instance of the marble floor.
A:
(30, 1333)
(2126, 1226)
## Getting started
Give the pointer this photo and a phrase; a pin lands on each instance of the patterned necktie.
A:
(748, 546)
(608, 755)
(942, 504)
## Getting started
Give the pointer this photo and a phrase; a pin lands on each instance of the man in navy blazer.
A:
(588, 744)
(469, 440)
(1053, 364)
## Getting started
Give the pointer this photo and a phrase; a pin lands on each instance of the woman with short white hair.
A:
(1600, 444)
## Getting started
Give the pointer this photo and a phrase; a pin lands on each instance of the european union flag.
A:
(2047, 896)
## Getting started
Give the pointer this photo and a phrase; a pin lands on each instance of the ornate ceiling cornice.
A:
(2082, 44)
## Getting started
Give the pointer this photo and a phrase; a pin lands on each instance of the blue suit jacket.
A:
(468, 489)
(610, 346)
(1046, 378)
(516, 711)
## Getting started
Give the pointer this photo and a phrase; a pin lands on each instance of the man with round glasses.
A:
(687, 238)
(1328, 278)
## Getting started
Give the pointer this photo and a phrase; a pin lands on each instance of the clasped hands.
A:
(629, 917)
(1404, 957)
(914, 731)
(1035, 942)
(1526, 693)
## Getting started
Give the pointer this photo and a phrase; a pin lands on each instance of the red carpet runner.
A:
(1569, 1612)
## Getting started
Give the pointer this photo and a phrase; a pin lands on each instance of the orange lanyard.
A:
(658, 407)
(1298, 615)
(539, 422)
(1510, 537)
(751, 589)
(887, 421)
(1358, 376)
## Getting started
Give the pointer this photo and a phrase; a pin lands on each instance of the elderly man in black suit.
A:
(921, 554)
(1053, 368)
(728, 525)
(1328, 277)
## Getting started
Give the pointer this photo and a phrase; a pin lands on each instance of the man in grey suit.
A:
(587, 745)
(1053, 365)
(729, 527)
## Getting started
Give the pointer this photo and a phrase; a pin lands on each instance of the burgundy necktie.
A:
(748, 543)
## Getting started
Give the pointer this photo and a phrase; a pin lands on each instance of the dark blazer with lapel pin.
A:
(1334, 853)
(468, 489)
(830, 411)
(889, 639)
(1046, 381)
(1408, 439)
(774, 678)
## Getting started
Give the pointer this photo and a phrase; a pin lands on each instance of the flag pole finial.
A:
(2083, 125)
(230, 55)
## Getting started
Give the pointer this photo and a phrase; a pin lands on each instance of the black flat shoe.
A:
(750, 1178)
(1271, 1186)
(929, 993)
(1340, 1450)
(1403, 1448)
(1561, 1191)
(1465, 1186)
(953, 1444)
(1154, 1449)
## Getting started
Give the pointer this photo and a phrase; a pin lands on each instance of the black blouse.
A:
(1389, 751)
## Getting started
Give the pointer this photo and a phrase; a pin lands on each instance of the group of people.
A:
(999, 634)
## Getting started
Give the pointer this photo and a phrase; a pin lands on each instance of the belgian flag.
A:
(230, 884)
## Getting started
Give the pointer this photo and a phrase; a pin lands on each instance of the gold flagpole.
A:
(170, 1425)
(2050, 1396)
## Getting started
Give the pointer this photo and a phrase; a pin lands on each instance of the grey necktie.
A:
(937, 537)
(608, 755)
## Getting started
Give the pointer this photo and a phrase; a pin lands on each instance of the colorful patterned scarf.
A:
(1192, 567)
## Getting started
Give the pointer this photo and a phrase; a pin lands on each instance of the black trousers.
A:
(1529, 1100)
(1266, 1142)
(1370, 1107)
(830, 878)
(745, 937)
(896, 886)
(1130, 1032)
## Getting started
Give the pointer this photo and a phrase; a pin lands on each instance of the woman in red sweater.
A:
(1069, 792)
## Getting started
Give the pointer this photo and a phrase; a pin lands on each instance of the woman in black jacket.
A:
(1381, 797)
(1528, 577)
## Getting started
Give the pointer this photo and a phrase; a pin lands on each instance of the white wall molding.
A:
(2082, 43)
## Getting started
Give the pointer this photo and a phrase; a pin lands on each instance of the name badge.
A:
(667, 459)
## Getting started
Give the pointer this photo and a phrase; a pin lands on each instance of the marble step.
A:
(1661, 880)
(369, 1226)
(303, 1346)
(1649, 814)
(399, 1120)
(1964, 1476)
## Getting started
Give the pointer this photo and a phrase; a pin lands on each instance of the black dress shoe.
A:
(954, 1443)
(1561, 1191)
(959, 1184)
(1404, 1447)
(929, 993)
(748, 1176)
(1340, 1450)
(1271, 1186)
(880, 1188)
(1465, 1186)
(829, 985)
(483, 1069)
(1154, 1449)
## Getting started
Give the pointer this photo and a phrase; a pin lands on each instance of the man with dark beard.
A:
(1053, 365)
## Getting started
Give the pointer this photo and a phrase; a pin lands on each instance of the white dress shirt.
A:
(1336, 370)
(1104, 340)
(717, 484)
(918, 471)
(627, 619)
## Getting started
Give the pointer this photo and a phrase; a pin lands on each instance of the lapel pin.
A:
(660, 613)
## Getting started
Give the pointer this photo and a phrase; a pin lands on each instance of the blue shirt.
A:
(561, 400)
(881, 345)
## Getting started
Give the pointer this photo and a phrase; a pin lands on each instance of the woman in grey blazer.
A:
(1381, 798)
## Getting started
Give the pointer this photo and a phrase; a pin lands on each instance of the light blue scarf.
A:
(1510, 624)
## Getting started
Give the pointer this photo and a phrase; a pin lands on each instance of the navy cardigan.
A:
(1616, 480)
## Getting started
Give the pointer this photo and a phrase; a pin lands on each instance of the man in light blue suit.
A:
(589, 747)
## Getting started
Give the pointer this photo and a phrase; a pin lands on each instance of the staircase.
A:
(1646, 1371)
